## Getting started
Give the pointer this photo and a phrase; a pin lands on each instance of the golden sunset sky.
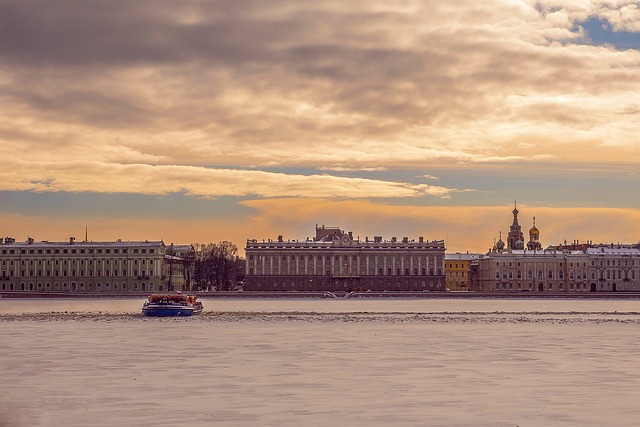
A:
(201, 121)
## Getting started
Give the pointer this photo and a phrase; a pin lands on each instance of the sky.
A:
(201, 121)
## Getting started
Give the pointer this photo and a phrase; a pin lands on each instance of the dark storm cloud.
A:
(113, 32)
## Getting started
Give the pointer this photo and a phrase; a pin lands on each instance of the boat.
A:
(167, 305)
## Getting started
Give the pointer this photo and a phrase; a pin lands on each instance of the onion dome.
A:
(534, 229)
(500, 244)
(520, 244)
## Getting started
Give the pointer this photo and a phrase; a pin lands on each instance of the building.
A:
(179, 265)
(72, 266)
(564, 268)
(613, 268)
(515, 238)
(457, 269)
(335, 261)
(597, 269)
(533, 271)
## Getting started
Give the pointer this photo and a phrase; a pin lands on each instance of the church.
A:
(515, 238)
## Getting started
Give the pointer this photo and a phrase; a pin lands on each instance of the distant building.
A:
(457, 270)
(515, 238)
(572, 267)
(82, 266)
(534, 271)
(335, 261)
(598, 269)
(179, 265)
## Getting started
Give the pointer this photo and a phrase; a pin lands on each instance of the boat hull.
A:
(171, 305)
(167, 311)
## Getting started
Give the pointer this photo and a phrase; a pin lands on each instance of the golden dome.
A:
(534, 230)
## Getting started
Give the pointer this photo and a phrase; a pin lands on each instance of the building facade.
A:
(563, 268)
(82, 266)
(457, 269)
(335, 261)
(533, 271)
(597, 269)
(613, 268)
(179, 266)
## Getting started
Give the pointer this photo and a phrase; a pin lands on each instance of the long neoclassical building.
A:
(82, 266)
(335, 261)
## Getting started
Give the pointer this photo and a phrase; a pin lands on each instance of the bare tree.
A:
(169, 257)
(188, 263)
(214, 266)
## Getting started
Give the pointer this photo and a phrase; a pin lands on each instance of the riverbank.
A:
(337, 295)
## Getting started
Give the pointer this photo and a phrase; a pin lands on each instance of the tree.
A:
(188, 262)
(214, 266)
(170, 257)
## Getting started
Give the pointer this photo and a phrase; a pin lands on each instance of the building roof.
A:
(462, 257)
(602, 250)
(180, 248)
(47, 244)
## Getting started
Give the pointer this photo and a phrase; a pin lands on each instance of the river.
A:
(288, 362)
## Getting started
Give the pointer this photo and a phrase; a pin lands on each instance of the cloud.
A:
(224, 79)
(204, 91)
(352, 169)
(199, 181)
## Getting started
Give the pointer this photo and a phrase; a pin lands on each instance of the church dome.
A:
(520, 244)
(500, 245)
(534, 230)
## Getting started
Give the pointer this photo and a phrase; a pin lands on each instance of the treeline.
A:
(210, 267)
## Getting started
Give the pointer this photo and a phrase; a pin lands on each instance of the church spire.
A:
(515, 238)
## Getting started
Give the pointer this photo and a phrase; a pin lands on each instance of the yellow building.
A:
(457, 267)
